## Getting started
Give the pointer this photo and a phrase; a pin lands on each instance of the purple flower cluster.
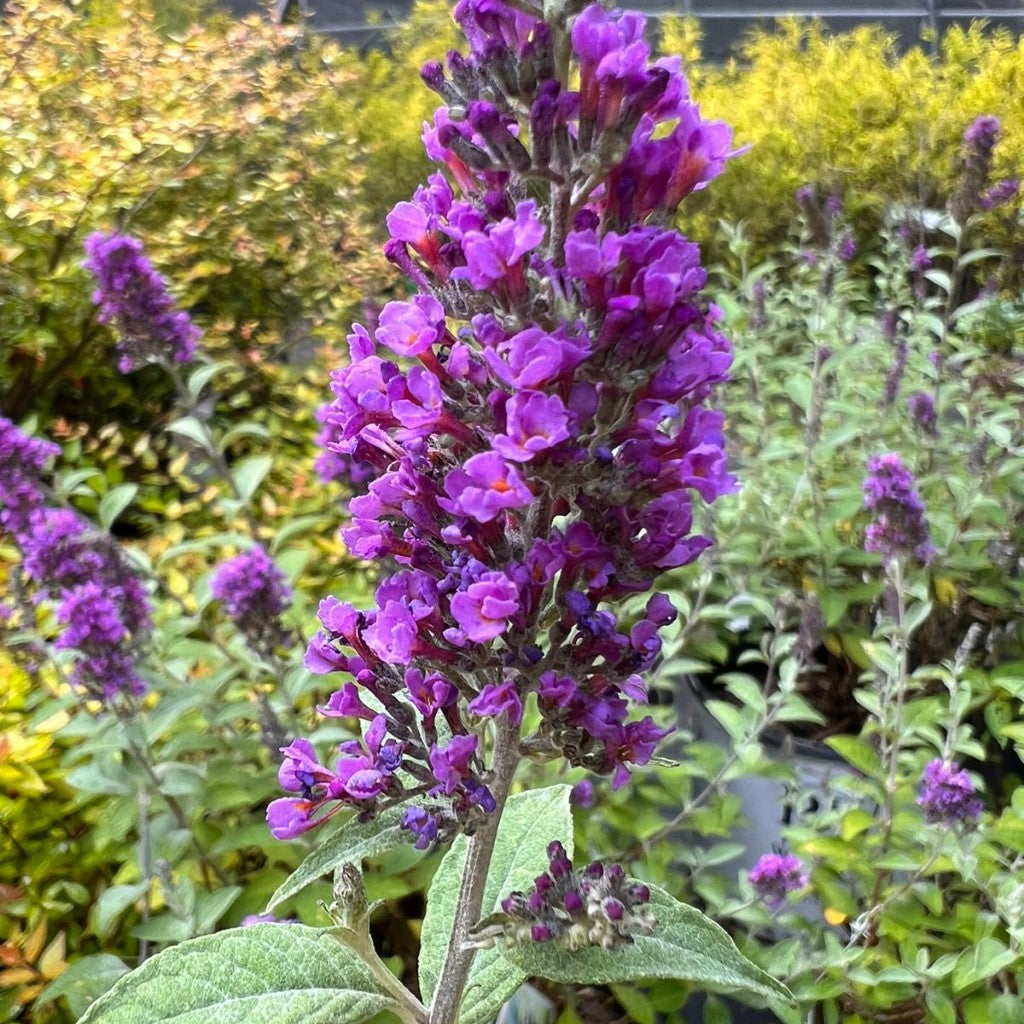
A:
(22, 462)
(254, 594)
(1001, 192)
(134, 297)
(921, 405)
(100, 604)
(972, 192)
(776, 875)
(535, 418)
(596, 906)
(947, 795)
(900, 527)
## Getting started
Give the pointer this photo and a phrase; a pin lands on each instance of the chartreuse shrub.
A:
(537, 421)
(853, 114)
(209, 146)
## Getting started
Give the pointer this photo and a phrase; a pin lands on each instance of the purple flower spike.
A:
(254, 594)
(134, 298)
(532, 432)
(900, 527)
(776, 875)
(947, 795)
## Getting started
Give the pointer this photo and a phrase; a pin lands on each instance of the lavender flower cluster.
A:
(101, 606)
(900, 527)
(947, 794)
(974, 191)
(254, 593)
(775, 876)
(134, 297)
(536, 421)
(596, 906)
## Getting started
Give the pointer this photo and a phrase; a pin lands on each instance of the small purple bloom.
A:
(900, 527)
(483, 609)
(582, 794)
(254, 594)
(534, 423)
(922, 410)
(776, 875)
(947, 795)
(999, 193)
(134, 297)
(496, 699)
(920, 261)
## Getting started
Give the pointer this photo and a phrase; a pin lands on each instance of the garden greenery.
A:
(750, 606)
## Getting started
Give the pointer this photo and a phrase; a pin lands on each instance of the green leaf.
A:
(264, 974)
(203, 375)
(114, 502)
(190, 427)
(530, 821)
(855, 751)
(113, 902)
(249, 474)
(352, 842)
(84, 981)
(685, 945)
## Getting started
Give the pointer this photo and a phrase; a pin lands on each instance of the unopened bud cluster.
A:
(597, 906)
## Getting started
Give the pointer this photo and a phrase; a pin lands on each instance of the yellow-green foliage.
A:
(851, 112)
(211, 147)
(388, 104)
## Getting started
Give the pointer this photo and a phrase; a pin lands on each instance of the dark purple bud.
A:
(543, 883)
(595, 870)
(615, 874)
(573, 902)
(532, 654)
(484, 117)
(541, 933)
(613, 909)
(640, 893)
(535, 903)
(433, 74)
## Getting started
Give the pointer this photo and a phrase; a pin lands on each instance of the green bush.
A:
(213, 149)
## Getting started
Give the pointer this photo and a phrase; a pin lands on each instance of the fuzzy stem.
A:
(455, 973)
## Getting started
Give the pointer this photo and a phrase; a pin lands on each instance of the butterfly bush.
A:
(900, 527)
(537, 422)
(254, 593)
(102, 611)
(775, 876)
(947, 796)
(134, 297)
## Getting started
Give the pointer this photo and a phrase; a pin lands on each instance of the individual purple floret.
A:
(133, 297)
(535, 418)
(22, 462)
(582, 794)
(900, 527)
(947, 795)
(1001, 192)
(254, 593)
(776, 875)
(594, 906)
(847, 248)
(920, 261)
(922, 410)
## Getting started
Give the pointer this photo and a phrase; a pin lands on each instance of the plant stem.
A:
(142, 757)
(455, 973)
